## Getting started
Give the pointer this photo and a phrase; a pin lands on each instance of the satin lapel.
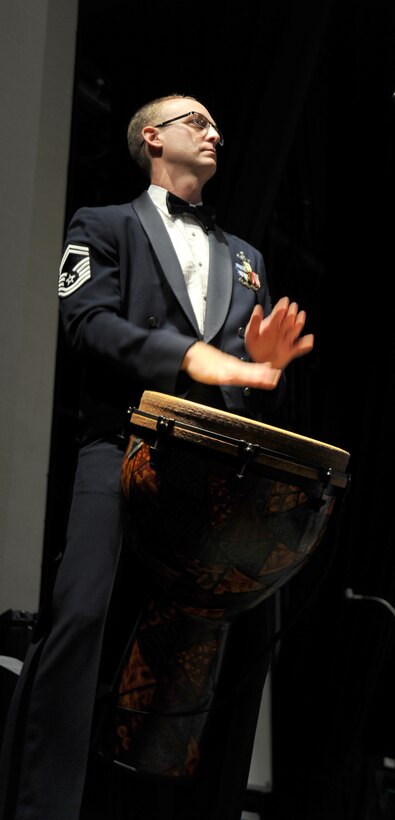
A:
(162, 245)
(219, 289)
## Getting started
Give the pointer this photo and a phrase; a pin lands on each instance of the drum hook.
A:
(326, 476)
(163, 427)
(247, 451)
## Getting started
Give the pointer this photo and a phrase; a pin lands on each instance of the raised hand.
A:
(208, 365)
(276, 338)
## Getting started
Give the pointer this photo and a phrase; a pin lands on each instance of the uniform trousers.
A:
(47, 741)
(47, 735)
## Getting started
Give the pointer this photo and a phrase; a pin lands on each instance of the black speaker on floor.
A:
(16, 629)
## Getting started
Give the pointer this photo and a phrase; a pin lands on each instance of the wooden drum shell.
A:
(223, 511)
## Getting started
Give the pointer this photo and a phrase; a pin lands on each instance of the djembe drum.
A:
(223, 512)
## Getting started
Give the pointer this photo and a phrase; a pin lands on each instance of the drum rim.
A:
(322, 461)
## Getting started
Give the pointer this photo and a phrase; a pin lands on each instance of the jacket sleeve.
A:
(93, 312)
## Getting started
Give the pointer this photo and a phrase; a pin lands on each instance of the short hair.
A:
(146, 115)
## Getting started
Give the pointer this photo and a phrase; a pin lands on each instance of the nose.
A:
(213, 134)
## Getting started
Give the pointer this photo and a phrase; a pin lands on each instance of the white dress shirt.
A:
(190, 243)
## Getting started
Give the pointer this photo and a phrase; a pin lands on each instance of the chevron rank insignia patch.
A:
(75, 269)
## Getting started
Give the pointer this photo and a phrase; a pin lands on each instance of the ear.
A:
(151, 135)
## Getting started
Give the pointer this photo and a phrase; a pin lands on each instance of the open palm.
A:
(276, 338)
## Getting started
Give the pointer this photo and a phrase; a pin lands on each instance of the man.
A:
(148, 300)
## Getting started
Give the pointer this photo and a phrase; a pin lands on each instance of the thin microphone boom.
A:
(352, 596)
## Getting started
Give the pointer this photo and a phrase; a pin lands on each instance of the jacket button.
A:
(241, 332)
(153, 321)
(246, 391)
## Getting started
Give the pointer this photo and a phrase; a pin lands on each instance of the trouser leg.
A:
(62, 693)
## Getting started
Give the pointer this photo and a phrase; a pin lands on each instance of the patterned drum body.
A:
(220, 523)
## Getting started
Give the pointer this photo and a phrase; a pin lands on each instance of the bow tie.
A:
(204, 213)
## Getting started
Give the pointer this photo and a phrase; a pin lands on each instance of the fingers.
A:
(292, 328)
(281, 306)
(285, 315)
(254, 323)
(279, 312)
(293, 322)
(303, 346)
(297, 321)
(259, 375)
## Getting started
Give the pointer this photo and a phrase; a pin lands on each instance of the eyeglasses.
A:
(197, 119)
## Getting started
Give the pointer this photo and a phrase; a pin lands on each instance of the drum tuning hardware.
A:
(316, 502)
(326, 477)
(163, 427)
(326, 474)
(247, 451)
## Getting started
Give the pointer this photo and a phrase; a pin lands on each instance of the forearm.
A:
(152, 358)
(208, 365)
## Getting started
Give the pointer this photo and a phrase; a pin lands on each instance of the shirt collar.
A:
(158, 196)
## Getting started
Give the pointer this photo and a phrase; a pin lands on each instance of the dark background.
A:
(303, 92)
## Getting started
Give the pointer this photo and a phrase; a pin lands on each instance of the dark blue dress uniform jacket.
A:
(131, 319)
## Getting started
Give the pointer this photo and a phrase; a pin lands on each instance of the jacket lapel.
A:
(163, 248)
(220, 268)
(220, 280)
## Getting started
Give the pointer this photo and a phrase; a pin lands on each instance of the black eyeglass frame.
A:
(188, 114)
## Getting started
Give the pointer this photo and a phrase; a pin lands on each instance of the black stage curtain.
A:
(304, 94)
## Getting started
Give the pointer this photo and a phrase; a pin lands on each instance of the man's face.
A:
(186, 145)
